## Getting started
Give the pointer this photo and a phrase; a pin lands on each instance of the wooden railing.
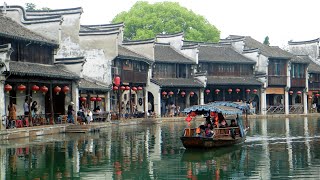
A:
(277, 80)
(298, 82)
(275, 109)
(296, 109)
(314, 85)
(293, 109)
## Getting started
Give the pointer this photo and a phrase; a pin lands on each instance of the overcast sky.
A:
(281, 20)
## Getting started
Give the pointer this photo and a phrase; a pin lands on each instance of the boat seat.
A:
(189, 132)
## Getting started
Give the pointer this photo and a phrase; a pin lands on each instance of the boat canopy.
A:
(224, 107)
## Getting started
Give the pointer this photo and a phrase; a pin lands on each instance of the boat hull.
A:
(204, 142)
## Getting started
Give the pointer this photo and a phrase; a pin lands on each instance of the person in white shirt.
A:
(89, 116)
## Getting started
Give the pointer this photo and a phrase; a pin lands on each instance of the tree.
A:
(146, 20)
(32, 7)
(266, 41)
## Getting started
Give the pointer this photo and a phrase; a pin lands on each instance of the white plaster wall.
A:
(16, 15)
(261, 61)
(99, 52)
(311, 49)
(69, 49)
(97, 66)
(238, 46)
(69, 45)
(70, 27)
(107, 43)
(176, 41)
(48, 30)
(75, 68)
(155, 90)
(3, 106)
(145, 49)
(191, 53)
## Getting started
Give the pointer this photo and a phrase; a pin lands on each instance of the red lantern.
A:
(230, 91)
(93, 99)
(122, 88)
(44, 89)
(237, 90)
(22, 88)
(217, 91)
(57, 89)
(299, 92)
(164, 93)
(317, 95)
(99, 99)
(191, 93)
(171, 93)
(66, 89)
(115, 88)
(116, 81)
(255, 91)
(208, 91)
(127, 88)
(183, 93)
(134, 89)
(290, 92)
(35, 88)
(83, 99)
(8, 88)
(248, 91)
(139, 88)
(188, 118)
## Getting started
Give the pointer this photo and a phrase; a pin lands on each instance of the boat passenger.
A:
(209, 132)
(223, 124)
(233, 123)
(232, 130)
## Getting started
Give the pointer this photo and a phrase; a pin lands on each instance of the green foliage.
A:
(266, 41)
(144, 21)
(30, 6)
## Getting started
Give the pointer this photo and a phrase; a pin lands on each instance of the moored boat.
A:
(206, 136)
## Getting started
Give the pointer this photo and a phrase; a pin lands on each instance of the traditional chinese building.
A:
(30, 72)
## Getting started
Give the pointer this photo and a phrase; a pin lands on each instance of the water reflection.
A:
(275, 149)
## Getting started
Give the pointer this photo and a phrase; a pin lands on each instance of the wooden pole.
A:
(51, 104)
(30, 103)
(119, 101)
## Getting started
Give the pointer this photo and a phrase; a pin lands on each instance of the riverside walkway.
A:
(30, 132)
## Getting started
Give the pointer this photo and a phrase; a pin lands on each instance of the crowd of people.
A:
(214, 121)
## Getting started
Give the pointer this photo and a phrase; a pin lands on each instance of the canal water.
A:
(274, 149)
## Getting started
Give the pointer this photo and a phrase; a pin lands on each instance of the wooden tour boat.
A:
(197, 138)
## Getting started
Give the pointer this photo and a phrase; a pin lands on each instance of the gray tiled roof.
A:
(88, 84)
(223, 80)
(268, 51)
(167, 54)
(313, 66)
(225, 54)
(300, 59)
(11, 29)
(125, 53)
(177, 82)
(40, 70)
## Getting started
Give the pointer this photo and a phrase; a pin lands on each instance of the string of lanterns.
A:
(127, 88)
(35, 89)
(207, 91)
(91, 99)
